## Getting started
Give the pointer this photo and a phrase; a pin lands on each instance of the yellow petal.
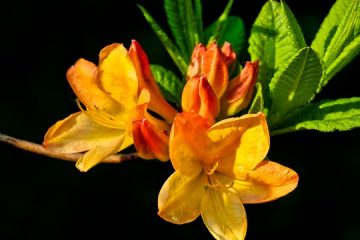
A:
(78, 133)
(82, 77)
(268, 181)
(117, 75)
(245, 142)
(188, 143)
(224, 215)
(180, 197)
(98, 153)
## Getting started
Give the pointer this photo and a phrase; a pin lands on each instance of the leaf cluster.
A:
(291, 72)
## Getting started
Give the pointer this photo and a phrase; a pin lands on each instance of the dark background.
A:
(48, 198)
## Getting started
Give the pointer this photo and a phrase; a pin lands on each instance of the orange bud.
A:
(195, 62)
(199, 97)
(215, 69)
(149, 141)
(240, 90)
(229, 53)
(146, 80)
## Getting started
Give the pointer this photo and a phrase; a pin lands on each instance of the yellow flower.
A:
(115, 93)
(219, 168)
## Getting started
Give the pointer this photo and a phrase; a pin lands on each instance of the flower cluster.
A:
(220, 158)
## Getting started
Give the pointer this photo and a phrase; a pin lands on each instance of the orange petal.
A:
(117, 75)
(223, 214)
(82, 77)
(142, 113)
(188, 143)
(180, 197)
(244, 141)
(199, 97)
(229, 53)
(215, 69)
(78, 133)
(196, 61)
(146, 80)
(149, 141)
(268, 181)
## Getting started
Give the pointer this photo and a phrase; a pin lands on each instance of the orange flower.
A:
(218, 168)
(110, 92)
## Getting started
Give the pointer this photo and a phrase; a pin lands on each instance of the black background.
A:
(48, 198)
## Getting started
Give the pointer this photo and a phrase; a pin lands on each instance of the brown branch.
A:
(39, 149)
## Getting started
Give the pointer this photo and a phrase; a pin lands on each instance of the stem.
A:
(39, 149)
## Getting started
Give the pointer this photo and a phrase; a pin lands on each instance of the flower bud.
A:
(211, 62)
(149, 141)
(240, 90)
(199, 97)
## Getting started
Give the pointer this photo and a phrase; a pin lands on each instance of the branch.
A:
(39, 149)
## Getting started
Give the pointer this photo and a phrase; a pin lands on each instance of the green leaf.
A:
(337, 39)
(275, 37)
(170, 85)
(198, 18)
(257, 104)
(170, 47)
(233, 31)
(184, 25)
(295, 84)
(220, 22)
(346, 56)
(326, 116)
(176, 21)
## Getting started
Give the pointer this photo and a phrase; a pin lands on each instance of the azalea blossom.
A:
(116, 95)
(218, 168)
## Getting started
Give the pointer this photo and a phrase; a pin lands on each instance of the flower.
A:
(218, 168)
(116, 93)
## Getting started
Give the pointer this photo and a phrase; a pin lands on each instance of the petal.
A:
(78, 133)
(245, 142)
(215, 68)
(98, 153)
(188, 143)
(229, 53)
(146, 80)
(240, 90)
(195, 61)
(224, 215)
(150, 142)
(268, 181)
(141, 112)
(180, 197)
(117, 75)
(82, 77)
(199, 97)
